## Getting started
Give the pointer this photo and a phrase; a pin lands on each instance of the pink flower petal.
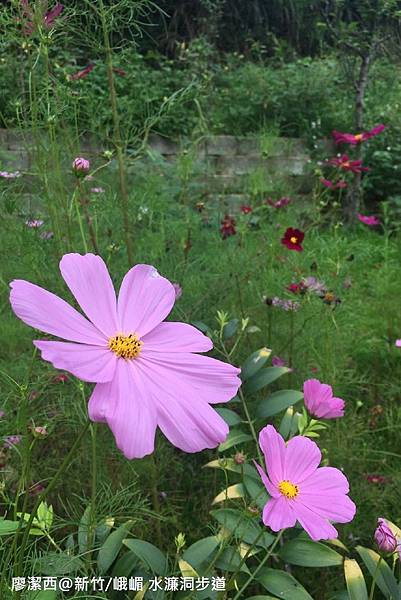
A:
(273, 491)
(317, 527)
(337, 507)
(175, 337)
(127, 406)
(332, 410)
(278, 514)
(325, 480)
(49, 313)
(89, 281)
(273, 447)
(183, 415)
(89, 363)
(302, 458)
(206, 378)
(145, 300)
(316, 393)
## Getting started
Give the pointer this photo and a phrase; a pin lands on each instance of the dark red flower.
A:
(293, 239)
(62, 378)
(246, 209)
(351, 138)
(279, 203)
(377, 479)
(52, 15)
(294, 288)
(120, 72)
(29, 17)
(344, 162)
(227, 227)
(83, 73)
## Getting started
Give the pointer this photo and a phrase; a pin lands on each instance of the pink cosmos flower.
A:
(398, 343)
(147, 372)
(300, 490)
(319, 400)
(345, 163)
(384, 537)
(352, 138)
(334, 186)
(371, 220)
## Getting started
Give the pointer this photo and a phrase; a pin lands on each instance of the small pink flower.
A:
(278, 362)
(40, 431)
(398, 343)
(384, 537)
(34, 223)
(80, 166)
(300, 490)
(371, 220)
(245, 209)
(10, 175)
(12, 440)
(97, 190)
(52, 15)
(319, 400)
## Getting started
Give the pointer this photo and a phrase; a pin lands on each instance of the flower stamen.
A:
(125, 346)
(288, 489)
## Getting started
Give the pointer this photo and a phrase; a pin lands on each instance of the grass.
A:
(351, 347)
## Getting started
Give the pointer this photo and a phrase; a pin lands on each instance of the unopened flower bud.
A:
(384, 537)
(80, 166)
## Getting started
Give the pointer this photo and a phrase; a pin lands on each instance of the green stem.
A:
(253, 545)
(256, 571)
(155, 499)
(63, 467)
(375, 574)
(117, 134)
(92, 526)
(81, 229)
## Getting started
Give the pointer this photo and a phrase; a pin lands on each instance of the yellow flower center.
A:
(293, 240)
(359, 136)
(125, 346)
(288, 489)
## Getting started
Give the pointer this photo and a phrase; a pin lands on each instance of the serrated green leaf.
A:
(277, 402)
(355, 581)
(234, 438)
(149, 555)
(264, 377)
(306, 553)
(108, 552)
(231, 418)
(385, 579)
(254, 363)
(282, 584)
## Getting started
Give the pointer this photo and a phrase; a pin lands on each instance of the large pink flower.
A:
(300, 490)
(145, 369)
(320, 402)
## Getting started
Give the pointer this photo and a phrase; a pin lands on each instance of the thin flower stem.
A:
(91, 533)
(92, 233)
(117, 133)
(243, 559)
(63, 467)
(375, 574)
(256, 571)
(155, 499)
(251, 427)
(81, 229)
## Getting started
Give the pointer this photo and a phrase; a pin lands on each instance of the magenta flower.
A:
(12, 440)
(146, 370)
(371, 220)
(352, 138)
(97, 190)
(49, 17)
(279, 203)
(334, 186)
(52, 15)
(345, 163)
(398, 343)
(80, 166)
(300, 490)
(319, 400)
(384, 537)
